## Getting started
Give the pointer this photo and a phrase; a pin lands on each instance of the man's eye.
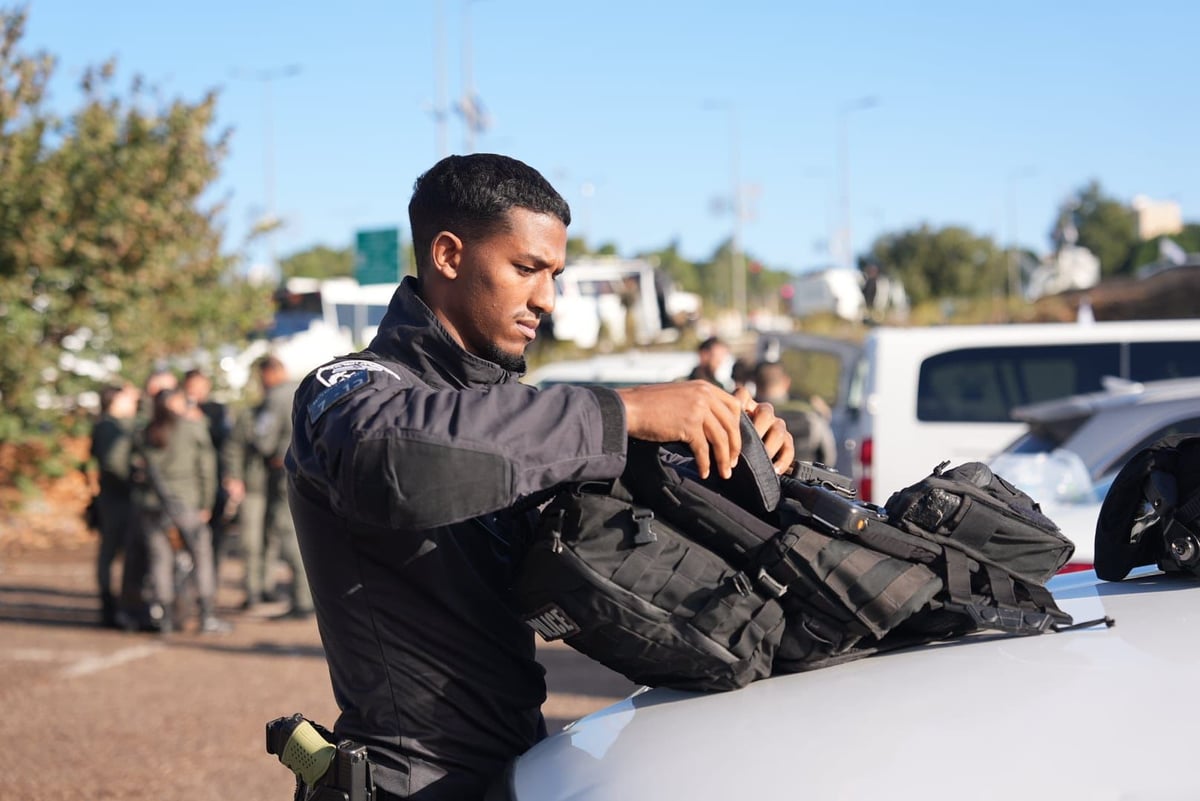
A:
(525, 270)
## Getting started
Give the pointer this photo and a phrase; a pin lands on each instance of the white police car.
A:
(1094, 713)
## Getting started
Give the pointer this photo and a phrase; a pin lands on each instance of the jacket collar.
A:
(412, 334)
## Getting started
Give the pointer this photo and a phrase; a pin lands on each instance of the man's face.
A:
(197, 389)
(504, 283)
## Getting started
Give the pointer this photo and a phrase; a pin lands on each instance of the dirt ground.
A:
(93, 713)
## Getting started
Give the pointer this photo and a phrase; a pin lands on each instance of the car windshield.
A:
(1044, 436)
(1058, 475)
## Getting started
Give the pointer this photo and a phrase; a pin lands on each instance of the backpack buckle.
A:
(644, 534)
(776, 589)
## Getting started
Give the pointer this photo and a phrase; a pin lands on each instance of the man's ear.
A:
(445, 252)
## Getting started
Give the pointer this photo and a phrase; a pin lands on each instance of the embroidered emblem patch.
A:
(345, 384)
(331, 374)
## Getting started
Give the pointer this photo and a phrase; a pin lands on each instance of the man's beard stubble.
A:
(513, 363)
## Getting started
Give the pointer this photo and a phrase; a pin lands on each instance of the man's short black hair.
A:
(470, 196)
(709, 344)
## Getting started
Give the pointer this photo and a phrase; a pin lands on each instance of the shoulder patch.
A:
(345, 384)
(339, 371)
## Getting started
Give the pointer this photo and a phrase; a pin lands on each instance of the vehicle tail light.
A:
(865, 454)
(1074, 567)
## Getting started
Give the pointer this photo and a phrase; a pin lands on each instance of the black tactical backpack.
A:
(708, 585)
(1151, 514)
(625, 584)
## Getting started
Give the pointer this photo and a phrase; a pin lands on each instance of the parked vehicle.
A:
(1089, 713)
(837, 291)
(924, 395)
(615, 370)
(1074, 447)
(627, 301)
(315, 320)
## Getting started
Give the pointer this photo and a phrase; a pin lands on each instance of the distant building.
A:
(1157, 217)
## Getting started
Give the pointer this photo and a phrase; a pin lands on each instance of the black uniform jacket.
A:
(403, 464)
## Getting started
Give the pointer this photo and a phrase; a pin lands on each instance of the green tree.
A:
(318, 262)
(1100, 223)
(944, 263)
(106, 248)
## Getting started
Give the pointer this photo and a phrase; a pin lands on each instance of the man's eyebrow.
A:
(535, 261)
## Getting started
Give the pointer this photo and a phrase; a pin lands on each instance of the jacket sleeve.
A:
(233, 450)
(206, 467)
(389, 451)
(273, 425)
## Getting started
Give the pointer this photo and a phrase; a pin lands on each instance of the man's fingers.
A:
(718, 436)
(763, 416)
(780, 446)
(700, 448)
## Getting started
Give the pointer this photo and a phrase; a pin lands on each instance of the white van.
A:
(618, 297)
(920, 396)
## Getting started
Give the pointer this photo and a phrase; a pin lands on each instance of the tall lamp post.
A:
(266, 77)
(475, 118)
(737, 259)
(846, 246)
(1014, 247)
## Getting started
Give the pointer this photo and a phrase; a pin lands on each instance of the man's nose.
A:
(544, 293)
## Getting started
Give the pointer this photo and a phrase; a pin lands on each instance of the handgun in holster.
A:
(325, 770)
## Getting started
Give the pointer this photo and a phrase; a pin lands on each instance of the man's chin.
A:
(512, 362)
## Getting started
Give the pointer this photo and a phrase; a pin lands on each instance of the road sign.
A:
(377, 256)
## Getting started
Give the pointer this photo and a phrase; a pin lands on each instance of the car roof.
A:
(1087, 422)
(616, 369)
(1096, 712)
(1118, 394)
(769, 343)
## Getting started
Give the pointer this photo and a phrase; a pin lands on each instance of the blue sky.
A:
(985, 115)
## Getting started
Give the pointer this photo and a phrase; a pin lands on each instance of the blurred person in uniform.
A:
(245, 483)
(135, 578)
(257, 448)
(410, 462)
(112, 440)
(197, 387)
(714, 358)
(175, 484)
(809, 428)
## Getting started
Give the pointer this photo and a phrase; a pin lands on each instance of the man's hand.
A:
(772, 430)
(236, 488)
(696, 413)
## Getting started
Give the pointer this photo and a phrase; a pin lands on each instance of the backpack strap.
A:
(877, 590)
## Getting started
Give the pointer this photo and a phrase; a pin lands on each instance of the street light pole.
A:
(846, 246)
(1014, 272)
(439, 68)
(269, 222)
(737, 259)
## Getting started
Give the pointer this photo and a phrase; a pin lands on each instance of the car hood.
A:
(1095, 712)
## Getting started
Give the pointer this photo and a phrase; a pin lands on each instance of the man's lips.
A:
(528, 328)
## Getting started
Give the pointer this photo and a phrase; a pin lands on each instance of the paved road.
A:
(91, 713)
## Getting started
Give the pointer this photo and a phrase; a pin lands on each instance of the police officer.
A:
(261, 440)
(406, 462)
(111, 447)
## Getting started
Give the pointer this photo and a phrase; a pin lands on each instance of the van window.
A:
(981, 385)
(1151, 361)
